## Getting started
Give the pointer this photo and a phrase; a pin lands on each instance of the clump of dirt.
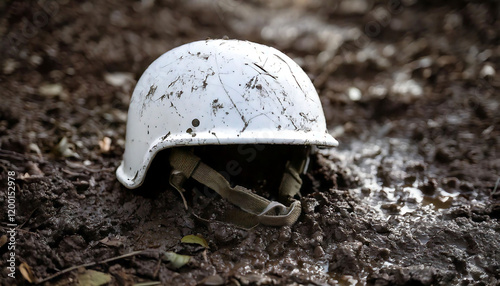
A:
(408, 198)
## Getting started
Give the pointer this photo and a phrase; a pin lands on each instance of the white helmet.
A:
(219, 92)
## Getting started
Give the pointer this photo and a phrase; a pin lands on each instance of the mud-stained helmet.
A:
(222, 92)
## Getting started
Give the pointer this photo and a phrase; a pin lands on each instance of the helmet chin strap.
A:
(256, 209)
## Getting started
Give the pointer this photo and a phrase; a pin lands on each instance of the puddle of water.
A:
(439, 202)
(364, 158)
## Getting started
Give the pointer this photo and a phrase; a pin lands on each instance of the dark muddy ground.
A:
(410, 89)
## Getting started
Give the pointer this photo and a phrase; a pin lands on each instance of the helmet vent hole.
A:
(195, 122)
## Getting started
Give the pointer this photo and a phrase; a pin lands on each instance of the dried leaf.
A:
(33, 147)
(105, 144)
(34, 170)
(24, 176)
(3, 240)
(196, 239)
(65, 149)
(116, 241)
(214, 280)
(28, 275)
(176, 260)
(92, 278)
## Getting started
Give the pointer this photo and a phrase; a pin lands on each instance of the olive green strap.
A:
(291, 181)
(258, 209)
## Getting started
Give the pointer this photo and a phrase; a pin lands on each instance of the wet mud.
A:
(411, 91)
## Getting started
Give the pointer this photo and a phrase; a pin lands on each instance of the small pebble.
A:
(50, 90)
(354, 93)
(487, 71)
(319, 252)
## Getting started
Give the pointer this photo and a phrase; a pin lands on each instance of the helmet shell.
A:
(219, 92)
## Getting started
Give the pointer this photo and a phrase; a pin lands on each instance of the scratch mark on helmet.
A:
(291, 72)
(230, 98)
(173, 82)
(265, 71)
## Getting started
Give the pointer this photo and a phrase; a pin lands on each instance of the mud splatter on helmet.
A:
(223, 92)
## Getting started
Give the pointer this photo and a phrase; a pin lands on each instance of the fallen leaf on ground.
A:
(34, 147)
(105, 144)
(213, 280)
(196, 239)
(28, 275)
(92, 278)
(65, 149)
(176, 260)
(116, 241)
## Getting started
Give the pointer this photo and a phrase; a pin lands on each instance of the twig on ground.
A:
(29, 217)
(88, 265)
(157, 269)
